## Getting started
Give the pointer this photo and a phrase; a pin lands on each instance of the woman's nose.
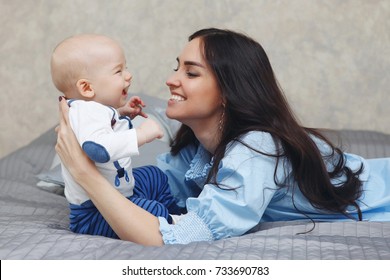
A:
(173, 80)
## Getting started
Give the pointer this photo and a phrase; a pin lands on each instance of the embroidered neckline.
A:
(199, 167)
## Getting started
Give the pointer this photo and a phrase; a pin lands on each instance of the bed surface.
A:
(34, 220)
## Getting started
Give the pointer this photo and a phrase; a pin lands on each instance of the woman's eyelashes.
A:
(191, 74)
(188, 72)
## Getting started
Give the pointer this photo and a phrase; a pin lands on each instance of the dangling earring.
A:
(222, 119)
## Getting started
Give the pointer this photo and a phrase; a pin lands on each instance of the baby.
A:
(90, 70)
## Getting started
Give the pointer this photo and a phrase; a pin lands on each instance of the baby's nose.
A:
(128, 76)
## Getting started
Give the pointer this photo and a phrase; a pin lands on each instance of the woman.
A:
(240, 156)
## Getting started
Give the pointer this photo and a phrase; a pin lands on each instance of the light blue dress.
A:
(215, 213)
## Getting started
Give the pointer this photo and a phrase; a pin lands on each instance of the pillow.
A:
(51, 180)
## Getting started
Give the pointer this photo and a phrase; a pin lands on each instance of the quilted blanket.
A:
(34, 221)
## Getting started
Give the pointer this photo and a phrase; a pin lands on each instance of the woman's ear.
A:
(85, 88)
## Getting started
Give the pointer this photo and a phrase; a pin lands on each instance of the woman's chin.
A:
(171, 115)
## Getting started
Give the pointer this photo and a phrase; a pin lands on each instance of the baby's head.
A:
(91, 67)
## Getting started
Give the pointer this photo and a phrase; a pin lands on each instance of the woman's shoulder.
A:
(258, 140)
(257, 135)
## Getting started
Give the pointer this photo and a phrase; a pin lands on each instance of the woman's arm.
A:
(247, 186)
(129, 221)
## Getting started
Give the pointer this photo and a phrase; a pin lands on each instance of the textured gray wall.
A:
(331, 57)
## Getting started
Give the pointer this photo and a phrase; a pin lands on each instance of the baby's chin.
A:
(120, 104)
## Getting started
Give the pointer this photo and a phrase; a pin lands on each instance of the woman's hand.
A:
(68, 148)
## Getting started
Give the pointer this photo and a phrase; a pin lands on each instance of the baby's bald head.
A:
(74, 58)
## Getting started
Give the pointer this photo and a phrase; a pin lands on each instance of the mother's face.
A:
(195, 96)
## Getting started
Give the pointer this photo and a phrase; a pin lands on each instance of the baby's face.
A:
(111, 79)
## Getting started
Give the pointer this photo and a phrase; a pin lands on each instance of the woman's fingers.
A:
(63, 115)
(65, 139)
(64, 111)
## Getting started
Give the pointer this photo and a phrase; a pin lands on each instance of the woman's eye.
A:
(191, 74)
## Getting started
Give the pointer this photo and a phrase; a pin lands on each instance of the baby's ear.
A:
(85, 88)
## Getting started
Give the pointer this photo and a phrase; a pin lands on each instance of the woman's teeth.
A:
(177, 98)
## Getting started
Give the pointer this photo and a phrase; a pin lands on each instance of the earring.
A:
(222, 119)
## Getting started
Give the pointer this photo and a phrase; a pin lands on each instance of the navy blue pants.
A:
(151, 192)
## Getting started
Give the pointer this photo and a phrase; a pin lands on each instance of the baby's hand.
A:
(133, 108)
(148, 131)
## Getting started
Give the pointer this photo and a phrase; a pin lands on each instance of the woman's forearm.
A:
(129, 221)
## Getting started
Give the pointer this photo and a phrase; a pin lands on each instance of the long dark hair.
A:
(255, 102)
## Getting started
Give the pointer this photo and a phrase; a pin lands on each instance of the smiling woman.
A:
(240, 157)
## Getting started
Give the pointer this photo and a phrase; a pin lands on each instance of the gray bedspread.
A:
(34, 221)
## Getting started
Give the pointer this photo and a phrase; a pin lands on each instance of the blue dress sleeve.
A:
(246, 186)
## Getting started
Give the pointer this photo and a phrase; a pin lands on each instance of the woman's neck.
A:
(209, 136)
